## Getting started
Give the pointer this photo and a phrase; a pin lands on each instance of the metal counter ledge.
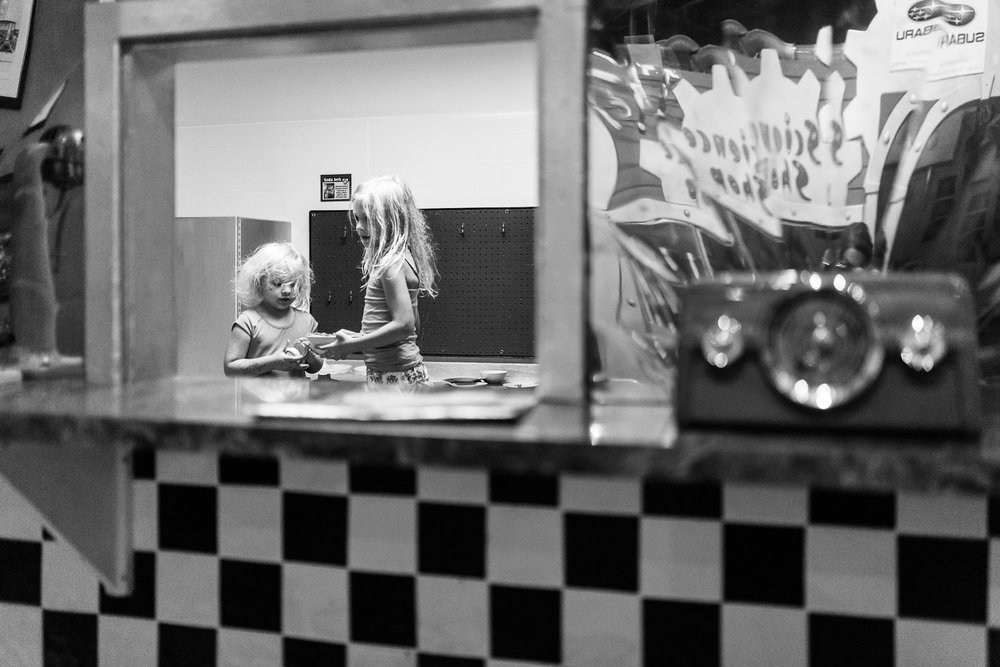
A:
(624, 439)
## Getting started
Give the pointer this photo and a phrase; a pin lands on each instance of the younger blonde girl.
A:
(274, 285)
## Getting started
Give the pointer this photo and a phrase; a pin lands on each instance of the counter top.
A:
(624, 438)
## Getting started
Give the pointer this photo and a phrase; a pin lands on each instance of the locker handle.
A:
(350, 297)
(462, 230)
(329, 298)
(503, 228)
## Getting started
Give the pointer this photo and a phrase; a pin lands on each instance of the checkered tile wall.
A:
(291, 561)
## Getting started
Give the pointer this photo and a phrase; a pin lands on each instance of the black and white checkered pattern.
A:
(308, 562)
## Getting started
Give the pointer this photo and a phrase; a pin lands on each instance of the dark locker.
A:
(486, 262)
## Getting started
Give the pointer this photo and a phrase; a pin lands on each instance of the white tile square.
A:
(454, 616)
(759, 636)
(192, 468)
(20, 635)
(68, 583)
(144, 513)
(126, 642)
(993, 592)
(758, 503)
(930, 644)
(18, 519)
(524, 546)
(851, 571)
(447, 485)
(382, 534)
(681, 559)
(941, 515)
(315, 602)
(606, 495)
(243, 648)
(370, 655)
(601, 629)
(250, 522)
(187, 589)
(314, 476)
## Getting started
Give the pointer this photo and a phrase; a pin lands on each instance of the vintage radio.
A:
(829, 351)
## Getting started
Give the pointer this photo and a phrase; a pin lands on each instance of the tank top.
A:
(403, 354)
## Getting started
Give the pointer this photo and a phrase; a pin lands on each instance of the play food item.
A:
(315, 363)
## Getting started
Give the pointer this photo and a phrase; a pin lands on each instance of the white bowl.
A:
(494, 376)
(320, 338)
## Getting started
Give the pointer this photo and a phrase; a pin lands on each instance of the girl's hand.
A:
(340, 347)
(291, 359)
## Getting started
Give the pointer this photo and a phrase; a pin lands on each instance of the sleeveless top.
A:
(266, 338)
(403, 354)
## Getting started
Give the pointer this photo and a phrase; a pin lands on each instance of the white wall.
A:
(459, 123)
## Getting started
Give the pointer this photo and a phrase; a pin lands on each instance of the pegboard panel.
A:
(486, 261)
(335, 254)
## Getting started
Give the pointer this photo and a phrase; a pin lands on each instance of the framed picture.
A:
(15, 36)
(332, 187)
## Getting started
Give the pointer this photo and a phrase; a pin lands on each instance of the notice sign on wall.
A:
(335, 187)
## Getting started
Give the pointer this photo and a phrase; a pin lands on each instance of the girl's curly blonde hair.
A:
(274, 261)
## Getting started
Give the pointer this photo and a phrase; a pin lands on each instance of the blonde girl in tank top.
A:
(399, 265)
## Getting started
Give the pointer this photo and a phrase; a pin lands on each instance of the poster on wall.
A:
(333, 187)
(15, 33)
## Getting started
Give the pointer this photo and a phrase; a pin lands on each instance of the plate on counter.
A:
(526, 384)
(465, 382)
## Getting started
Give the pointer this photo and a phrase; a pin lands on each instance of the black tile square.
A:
(516, 489)
(144, 463)
(526, 624)
(764, 564)
(383, 609)
(382, 480)
(993, 515)
(69, 638)
(429, 660)
(187, 517)
(185, 646)
(451, 539)
(249, 470)
(601, 551)
(314, 528)
(863, 509)
(141, 602)
(21, 572)
(309, 653)
(698, 500)
(250, 595)
(993, 647)
(47, 536)
(681, 633)
(835, 641)
(942, 578)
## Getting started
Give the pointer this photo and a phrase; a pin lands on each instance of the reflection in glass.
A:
(756, 137)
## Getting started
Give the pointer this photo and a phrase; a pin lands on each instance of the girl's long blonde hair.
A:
(274, 261)
(396, 224)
